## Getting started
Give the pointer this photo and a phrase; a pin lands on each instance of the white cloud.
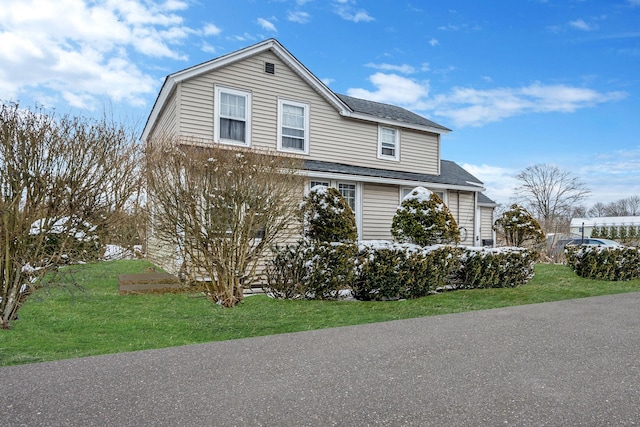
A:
(434, 42)
(267, 25)
(81, 51)
(580, 24)
(472, 107)
(500, 183)
(298, 16)
(404, 68)
(211, 30)
(346, 9)
(327, 81)
(466, 106)
(393, 89)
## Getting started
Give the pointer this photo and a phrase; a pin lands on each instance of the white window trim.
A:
(281, 102)
(381, 156)
(334, 183)
(216, 116)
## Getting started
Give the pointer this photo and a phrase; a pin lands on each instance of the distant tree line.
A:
(629, 206)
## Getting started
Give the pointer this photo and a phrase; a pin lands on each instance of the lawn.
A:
(60, 323)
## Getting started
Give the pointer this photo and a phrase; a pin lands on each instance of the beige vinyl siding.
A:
(379, 204)
(333, 138)
(167, 123)
(462, 206)
(163, 255)
(486, 223)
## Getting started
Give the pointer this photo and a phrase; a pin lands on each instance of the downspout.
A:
(476, 225)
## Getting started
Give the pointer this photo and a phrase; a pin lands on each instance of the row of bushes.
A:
(391, 271)
(605, 263)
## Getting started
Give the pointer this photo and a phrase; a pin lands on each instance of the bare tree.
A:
(223, 208)
(551, 194)
(61, 180)
(629, 206)
(598, 210)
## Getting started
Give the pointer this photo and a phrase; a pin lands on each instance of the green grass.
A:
(60, 323)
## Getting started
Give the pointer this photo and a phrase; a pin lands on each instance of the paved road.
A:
(566, 363)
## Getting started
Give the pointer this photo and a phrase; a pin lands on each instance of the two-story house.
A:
(373, 153)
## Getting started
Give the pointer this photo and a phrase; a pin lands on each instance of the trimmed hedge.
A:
(329, 269)
(317, 270)
(387, 271)
(506, 267)
(604, 263)
(382, 271)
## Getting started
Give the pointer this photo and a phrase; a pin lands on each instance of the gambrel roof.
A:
(345, 105)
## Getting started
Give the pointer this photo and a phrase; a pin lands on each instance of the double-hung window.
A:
(293, 126)
(388, 143)
(348, 191)
(232, 110)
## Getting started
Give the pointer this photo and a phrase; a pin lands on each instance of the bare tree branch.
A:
(550, 193)
(222, 208)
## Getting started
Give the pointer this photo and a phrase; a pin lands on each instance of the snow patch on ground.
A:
(113, 252)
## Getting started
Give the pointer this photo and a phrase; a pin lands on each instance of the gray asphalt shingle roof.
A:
(387, 111)
(450, 174)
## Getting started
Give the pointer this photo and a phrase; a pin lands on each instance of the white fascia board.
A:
(390, 181)
(396, 123)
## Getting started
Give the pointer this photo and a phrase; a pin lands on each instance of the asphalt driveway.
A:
(565, 363)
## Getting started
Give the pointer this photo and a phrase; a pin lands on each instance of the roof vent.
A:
(269, 68)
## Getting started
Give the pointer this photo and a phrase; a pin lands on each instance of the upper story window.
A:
(293, 126)
(232, 110)
(388, 143)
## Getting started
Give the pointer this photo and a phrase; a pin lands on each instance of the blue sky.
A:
(520, 82)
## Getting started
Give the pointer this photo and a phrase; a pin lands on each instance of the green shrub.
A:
(329, 269)
(377, 273)
(395, 271)
(429, 270)
(519, 226)
(603, 262)
(495, 267)
(327, 217)
(423, 219)
(286, 271)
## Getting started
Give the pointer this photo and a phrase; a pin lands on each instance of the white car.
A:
(593, 242)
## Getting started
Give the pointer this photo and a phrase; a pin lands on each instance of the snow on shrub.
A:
(423, 218)
(389, 271)
(494, 267)
(327, 217)
(519, 226)
(604, 262)
(312, 270)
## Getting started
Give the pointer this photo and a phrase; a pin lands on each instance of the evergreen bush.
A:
(327, 217)
(396, 271)
(495, 267)
(329, 269)
(423, 219)
(604, 262)
(519, 226)
(286, 271)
